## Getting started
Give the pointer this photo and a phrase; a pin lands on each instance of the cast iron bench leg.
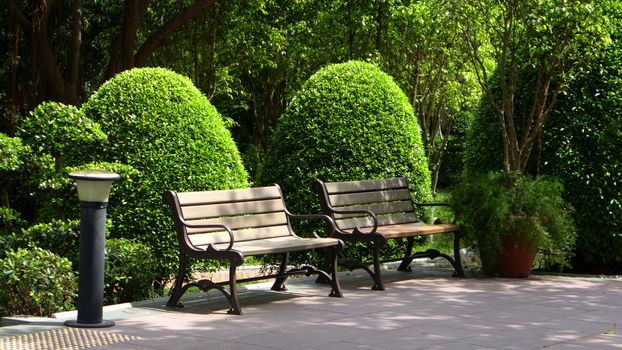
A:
(336, 289)
(177, 292)
(405, 265)
(458, 260)
(279, 282)
(377, 276)
(235, 303)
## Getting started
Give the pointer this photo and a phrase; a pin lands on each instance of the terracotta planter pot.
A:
(516, 258)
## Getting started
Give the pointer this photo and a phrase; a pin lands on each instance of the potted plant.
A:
(517, 224)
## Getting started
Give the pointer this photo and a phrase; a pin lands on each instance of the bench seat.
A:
(410, 230)
(278, 245)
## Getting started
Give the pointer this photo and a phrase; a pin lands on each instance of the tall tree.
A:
(427, 59)
(523, 36)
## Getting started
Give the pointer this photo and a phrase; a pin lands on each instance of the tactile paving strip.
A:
(62, 338)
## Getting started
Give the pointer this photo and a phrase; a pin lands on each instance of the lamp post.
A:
(93, 191)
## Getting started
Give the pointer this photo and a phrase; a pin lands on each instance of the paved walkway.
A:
(424, 309)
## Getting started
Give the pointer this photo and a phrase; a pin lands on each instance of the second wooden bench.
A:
(375, 211)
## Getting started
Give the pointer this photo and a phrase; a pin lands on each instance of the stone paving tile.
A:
(602, 341)
(341, 345)
(460, 346)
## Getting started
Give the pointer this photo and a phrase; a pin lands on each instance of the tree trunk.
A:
(74, 73)
(9, 125)
(47, 79)
(379, 24)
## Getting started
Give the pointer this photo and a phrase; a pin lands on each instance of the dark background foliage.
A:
(583, 148)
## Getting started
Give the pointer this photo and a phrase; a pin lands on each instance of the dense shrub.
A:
(35, 282)
(63, 132)
(161, 125)
(21, 172)
(11, 149)
(60, 237)
(583, 148)
(130, 271)
(11, 160)
(10, 220)
(349, 121)
(130, 267)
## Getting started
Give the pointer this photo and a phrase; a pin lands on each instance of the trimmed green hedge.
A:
(159, 123)
(349, 121)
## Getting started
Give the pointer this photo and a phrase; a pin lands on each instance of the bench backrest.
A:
(252, 213)
(388, 199)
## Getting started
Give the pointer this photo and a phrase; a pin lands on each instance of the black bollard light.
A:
(93, 191)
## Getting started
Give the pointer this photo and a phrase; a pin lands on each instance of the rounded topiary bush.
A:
(159, 123)
(349, 121)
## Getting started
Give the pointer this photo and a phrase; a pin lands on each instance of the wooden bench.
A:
(229, 225)
(375, 211)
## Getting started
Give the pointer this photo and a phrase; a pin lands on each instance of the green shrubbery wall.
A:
(161, 125)
(349, 121)
(584, 148)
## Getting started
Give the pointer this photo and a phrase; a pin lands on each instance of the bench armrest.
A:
(330, 224)
(357, 230)
(226, 228)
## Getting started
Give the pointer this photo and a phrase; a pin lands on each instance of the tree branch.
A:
(156, 38)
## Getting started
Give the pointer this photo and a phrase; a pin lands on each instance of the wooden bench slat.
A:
(412, 229)
(221, 196)
(199, 239)
(339, 200)
(366, 185)
(379, 208)
(279, 245)
(231, 209)
(399, 218)
(240, 222)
